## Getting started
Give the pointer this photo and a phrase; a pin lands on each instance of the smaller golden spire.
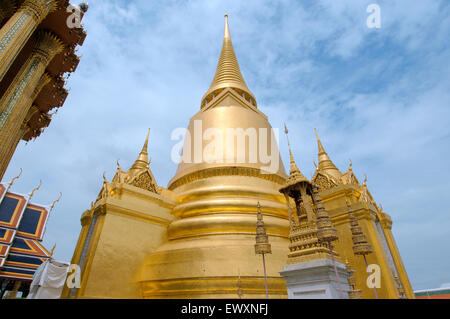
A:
(325, 229)
(142, 160)
(360, 244)
(364, 197)
(325, 163)
(295, 176)
(319, 143)
(262, 245)
(293, 165)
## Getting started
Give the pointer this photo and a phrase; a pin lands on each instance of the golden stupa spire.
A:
(228, 73)
(142, 160)
(325, 163)
(294, 173)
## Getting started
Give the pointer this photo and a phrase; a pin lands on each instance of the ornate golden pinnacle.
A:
(353, 293)
(262, 245)
(360, 244)
(325, 229)
(228, 73)
(296, 180)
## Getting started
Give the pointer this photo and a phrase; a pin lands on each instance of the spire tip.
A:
(227, 29)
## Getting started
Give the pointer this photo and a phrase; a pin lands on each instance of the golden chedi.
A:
(212, 239)
(196, 238)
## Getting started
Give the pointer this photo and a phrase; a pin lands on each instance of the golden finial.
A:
(142, 161)
(118, 165)
(325, 163)
(228, 73)
(145, 147)
(53, 249)
(32, 192)
(14, 179)
(319, 143)
(350, 165)
(286, 131)
(227, 29)
(53, 204)
(104, 178)
(315, 165)
(295, 176)
(365, 180)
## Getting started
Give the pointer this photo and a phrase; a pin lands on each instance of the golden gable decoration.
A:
(145, 181)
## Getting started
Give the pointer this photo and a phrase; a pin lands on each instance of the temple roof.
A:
(22, 227)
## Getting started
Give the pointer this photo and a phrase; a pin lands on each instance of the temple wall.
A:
(122, 238)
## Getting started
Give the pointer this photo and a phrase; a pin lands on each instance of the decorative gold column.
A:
(16, 102)
(19, 28)
(17, 137)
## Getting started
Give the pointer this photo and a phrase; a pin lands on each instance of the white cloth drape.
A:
(48, 281)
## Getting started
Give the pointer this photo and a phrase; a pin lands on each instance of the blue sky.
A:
(377, 96)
